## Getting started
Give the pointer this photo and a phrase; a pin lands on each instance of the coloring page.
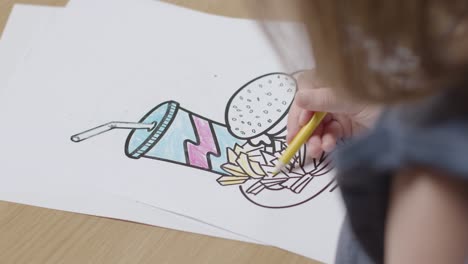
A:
(243, 152)
(173, 109)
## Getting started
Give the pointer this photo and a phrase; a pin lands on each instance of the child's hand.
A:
(345, 119)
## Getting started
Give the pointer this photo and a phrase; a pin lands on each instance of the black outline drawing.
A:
(226, 118)
(212, 146)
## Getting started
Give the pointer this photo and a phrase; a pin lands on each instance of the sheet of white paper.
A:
(118, 69)
(25, 25)
(22, 27)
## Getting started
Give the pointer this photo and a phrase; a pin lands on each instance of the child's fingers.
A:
(327, 118)
(299, 116)
(314, 146)
(328, 142)
(346, 125)
(293, 121)
(333, 132)
(323, 100)
(319, 130)
(304, 117)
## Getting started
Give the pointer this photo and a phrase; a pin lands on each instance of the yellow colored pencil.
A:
(300, 139)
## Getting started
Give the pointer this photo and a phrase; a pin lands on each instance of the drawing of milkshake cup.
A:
(174, 134)
(182, 137)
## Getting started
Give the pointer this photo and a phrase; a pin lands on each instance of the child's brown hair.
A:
(387, 51)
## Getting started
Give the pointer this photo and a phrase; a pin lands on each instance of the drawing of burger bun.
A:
(260, 105)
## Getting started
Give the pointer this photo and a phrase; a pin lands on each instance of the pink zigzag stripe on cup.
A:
(198, 153)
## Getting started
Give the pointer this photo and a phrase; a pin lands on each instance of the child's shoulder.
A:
(432, 133)
(448, 106)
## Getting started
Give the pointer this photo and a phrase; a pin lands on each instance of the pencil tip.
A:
(277, 169)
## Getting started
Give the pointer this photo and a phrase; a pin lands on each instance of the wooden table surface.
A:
(36, 235)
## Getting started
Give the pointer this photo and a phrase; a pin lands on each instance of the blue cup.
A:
(182, 137)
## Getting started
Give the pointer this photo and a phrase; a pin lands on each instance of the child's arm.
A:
(427, 220)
